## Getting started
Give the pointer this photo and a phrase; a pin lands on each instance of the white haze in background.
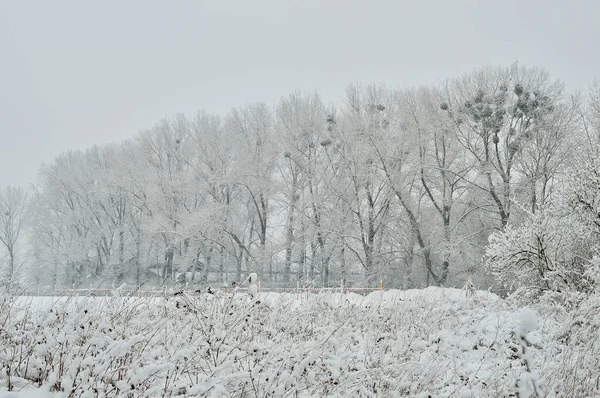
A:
(75, 74)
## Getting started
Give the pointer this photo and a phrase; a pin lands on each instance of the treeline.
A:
(404, 185)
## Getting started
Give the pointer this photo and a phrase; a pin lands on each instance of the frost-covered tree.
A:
(364, 121)
(221, 226)
(64, 200)
(393, 184)
(306, 176)
(254, 137)
(163, 147)
(440, 167)
(13, 209)
(498, 113)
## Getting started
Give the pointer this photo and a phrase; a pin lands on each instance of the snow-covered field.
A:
(432, 342)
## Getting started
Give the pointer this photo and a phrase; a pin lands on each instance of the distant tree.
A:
(13, 209)
(220, 229)
(359, 138)
(497, 114)
(390, 182)
(306, 171)
(253, 129)
(440, 169)
(168, 175)
(65, 220)
(593, 110)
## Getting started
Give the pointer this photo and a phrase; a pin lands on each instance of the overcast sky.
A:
(77, 73)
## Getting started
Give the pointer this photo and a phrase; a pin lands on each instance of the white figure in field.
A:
(253, 281)
(253, 290)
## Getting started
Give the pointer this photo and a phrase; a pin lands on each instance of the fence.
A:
(167, 291)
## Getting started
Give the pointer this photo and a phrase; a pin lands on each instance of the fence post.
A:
(381, 287)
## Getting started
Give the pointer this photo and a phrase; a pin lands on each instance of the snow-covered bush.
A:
(550, 251)
(228, 345)
(527, 383)
(576, 348)
(430, 342)
(553, 248)
(593, 272)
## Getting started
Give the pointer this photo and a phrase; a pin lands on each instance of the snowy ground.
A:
(419, 343)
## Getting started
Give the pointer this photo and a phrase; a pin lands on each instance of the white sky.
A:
(76, 73)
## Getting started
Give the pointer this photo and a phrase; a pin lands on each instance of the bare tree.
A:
(13, 205)
(302, 123)
(550, 148)
(496, 113)
(364, 123)
(440, 171)
(253, 127)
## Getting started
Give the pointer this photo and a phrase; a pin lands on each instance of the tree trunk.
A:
(206, 269)
(121, 269)
(168, 269)
(11, 265)
(289, 239)
(343, 263)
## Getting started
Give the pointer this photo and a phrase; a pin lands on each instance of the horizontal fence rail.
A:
(63, 291)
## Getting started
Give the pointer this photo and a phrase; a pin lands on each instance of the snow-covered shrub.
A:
(593, 273)
(416, 343)
(527, 383)
(550, 251)
(577, 349)
(573, 344)
(225, 345)
(582, 193)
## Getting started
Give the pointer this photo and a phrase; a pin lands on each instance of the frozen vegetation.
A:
(493, 177)
(432, 342)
